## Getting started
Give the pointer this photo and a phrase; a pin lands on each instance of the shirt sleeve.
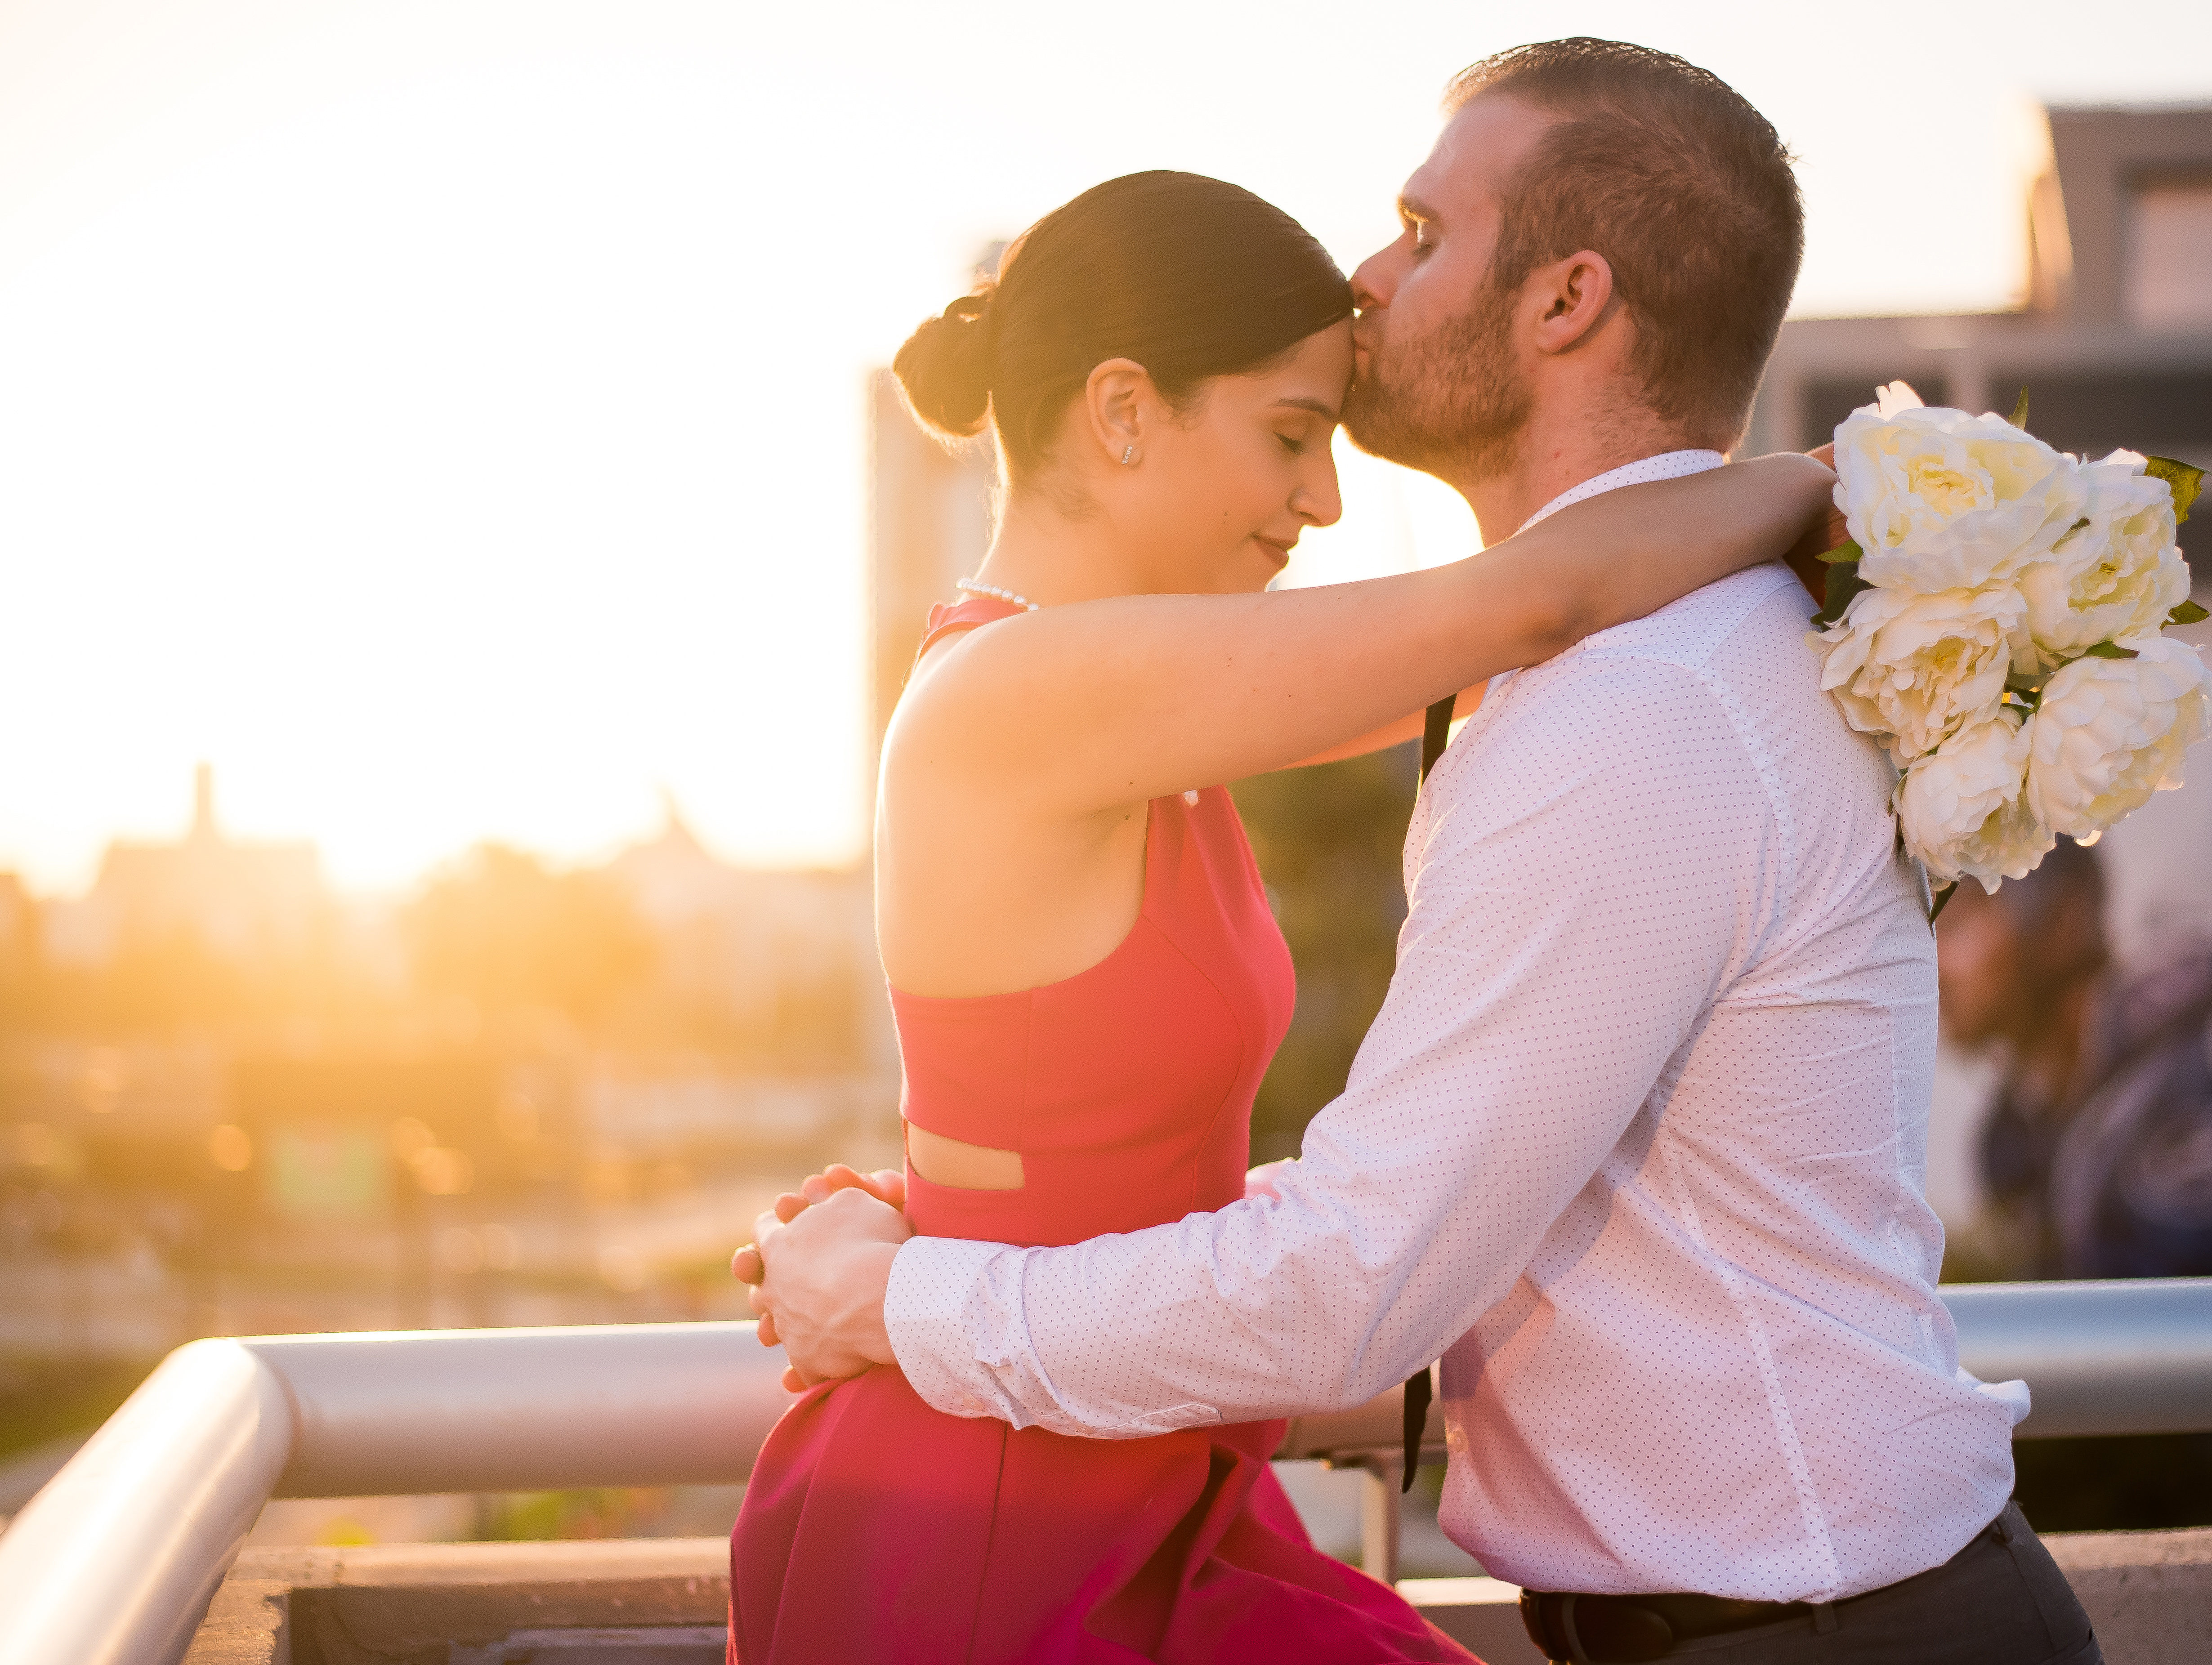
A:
(1575, 909)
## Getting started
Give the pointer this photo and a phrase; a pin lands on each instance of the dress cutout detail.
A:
(876, 1528)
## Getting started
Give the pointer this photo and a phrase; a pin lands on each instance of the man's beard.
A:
(1452, 403)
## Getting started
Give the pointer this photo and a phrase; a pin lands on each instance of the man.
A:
(2097, 1156)
(1635, 1141)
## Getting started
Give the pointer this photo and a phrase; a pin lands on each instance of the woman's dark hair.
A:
(1189, 277)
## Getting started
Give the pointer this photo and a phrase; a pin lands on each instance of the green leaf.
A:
(1843, 583)
(2108, 650)
(2018, 419)
(1846, 550)
(1944, 896)
(2185, 481)
(2187, 613)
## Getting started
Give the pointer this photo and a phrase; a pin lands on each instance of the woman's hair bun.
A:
(945, 366)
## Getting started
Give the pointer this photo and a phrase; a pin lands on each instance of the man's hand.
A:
(820, 1264)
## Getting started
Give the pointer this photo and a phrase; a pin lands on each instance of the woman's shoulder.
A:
(952, 692)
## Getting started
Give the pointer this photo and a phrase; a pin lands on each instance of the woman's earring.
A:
(1129, 457)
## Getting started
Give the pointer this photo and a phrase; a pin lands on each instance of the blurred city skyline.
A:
(450, 421)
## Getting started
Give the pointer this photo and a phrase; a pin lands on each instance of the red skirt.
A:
(875, 1528)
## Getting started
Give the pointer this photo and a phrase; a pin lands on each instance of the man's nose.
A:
(1372, 284)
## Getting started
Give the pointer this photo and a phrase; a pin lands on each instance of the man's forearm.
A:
(1316, 1299)
(958, 1318)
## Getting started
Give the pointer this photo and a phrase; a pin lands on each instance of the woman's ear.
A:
(1117, 404)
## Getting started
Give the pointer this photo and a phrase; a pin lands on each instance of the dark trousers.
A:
(1999, 1601)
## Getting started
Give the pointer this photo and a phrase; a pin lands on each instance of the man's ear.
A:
(1116, 402)
(1573, 297)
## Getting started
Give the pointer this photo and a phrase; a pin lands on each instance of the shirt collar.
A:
(1668, 465)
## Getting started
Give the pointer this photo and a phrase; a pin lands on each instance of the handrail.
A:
(115, 1562)
(171, 1485)
(2124, 1356)
(2116, 1357)
(525, 1409)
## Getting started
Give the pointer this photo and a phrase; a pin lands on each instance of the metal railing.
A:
(115, 1562)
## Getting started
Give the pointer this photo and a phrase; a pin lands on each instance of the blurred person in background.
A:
(2096, 1156)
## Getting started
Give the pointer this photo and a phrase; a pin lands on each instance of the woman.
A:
(1087, 980)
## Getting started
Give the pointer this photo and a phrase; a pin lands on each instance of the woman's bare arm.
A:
(1803, 558)
(1081, 707)
(1392, 734)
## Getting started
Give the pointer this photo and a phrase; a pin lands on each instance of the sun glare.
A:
(449, 420)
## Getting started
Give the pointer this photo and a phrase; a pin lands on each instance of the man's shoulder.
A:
(1744, 638)
(1748, 630)
(1746, 610)
(1731, 657)
(1657, 683)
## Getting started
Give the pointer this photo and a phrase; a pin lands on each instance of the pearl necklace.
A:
(973, 588)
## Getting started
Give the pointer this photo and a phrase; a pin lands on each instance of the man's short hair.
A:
(1668, 172)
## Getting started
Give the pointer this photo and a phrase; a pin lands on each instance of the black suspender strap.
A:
(1435, 735)
(1417, 1421)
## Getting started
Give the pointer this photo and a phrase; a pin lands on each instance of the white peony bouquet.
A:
(1995, 623)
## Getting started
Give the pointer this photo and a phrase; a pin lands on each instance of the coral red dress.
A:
(877, 1529)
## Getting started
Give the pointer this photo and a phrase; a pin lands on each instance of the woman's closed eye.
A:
(1295, 445)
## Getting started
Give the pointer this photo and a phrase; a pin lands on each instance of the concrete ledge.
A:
(1481, 1614)
(408, 1604)
(2149, 1595)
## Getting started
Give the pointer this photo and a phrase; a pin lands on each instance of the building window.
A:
(2167, 412)
(2169, 254)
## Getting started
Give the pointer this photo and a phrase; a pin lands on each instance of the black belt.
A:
(1628, 1630)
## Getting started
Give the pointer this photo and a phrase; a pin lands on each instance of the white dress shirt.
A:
(1636, 1143)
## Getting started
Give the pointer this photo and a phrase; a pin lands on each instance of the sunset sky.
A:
(446, 417)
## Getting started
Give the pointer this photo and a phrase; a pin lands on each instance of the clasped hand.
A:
(819, 1266)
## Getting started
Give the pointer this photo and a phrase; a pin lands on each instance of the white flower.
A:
(2109, 732)
(2115, 574)
(1964, 808)
(1915, 669)
(1938, 500)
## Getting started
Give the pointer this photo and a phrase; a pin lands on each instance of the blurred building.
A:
(2114, 339)
(239, 899)
(20, 935)
(229, 1101)
(19, 920)
(929, 525)
(777, 950)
